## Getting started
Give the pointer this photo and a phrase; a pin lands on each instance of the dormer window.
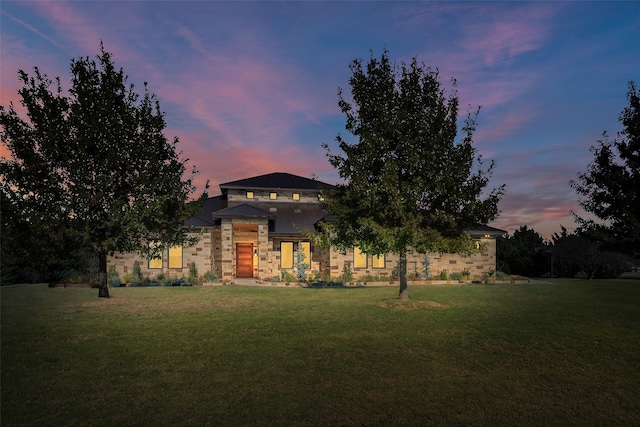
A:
(296, 196)
(249, 194)
(273, 196)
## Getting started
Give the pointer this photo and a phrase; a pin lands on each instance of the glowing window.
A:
(286, 254)
(378, 261)
(175, 257)
(156, 262)
(273, 196)
(249, 194)
(359, 258)
(296, 196)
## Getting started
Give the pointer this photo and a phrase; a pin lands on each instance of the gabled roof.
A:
(242, 211)
(484, 230)
(212, 204)
(277, 180)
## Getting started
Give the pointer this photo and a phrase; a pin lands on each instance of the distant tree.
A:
(410, 182)
(92, 169)
(576, 254)
(610, 187)
(525, 253)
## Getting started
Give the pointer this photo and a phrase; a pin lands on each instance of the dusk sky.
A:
(251, 87)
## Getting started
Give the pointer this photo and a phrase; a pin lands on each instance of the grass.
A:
(566, 353)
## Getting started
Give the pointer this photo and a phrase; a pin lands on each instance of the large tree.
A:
(92, 168)
(409, 181)
(610, 187)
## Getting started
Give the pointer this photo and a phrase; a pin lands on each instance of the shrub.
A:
(112, 277)
(489, 276)
(210, 276)
(193, 274)
(443, 275)
(460, 275)
(347, 275)
(136, 275)
(301, 265)
(425, 266)
(287, 276)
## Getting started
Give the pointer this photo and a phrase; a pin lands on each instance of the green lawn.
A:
(566, 353)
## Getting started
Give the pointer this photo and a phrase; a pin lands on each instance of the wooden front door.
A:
(244, 260)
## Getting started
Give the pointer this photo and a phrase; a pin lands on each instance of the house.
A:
(254, 229)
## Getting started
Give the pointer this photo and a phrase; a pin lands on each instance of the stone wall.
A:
(284, 196)
(201, 254)
(475, 264)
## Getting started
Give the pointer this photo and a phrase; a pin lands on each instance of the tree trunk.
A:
(103, 286)
(404, 291)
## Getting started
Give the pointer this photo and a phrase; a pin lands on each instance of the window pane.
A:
(378, 261)
(286, 255)
(155, 262)
(273, 196)
(359, 258)
(175, 257)
(296, 196)
(249, 194)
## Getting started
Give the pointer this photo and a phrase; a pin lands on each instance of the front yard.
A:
(562, 353)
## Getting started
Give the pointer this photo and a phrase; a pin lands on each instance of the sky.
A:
(250, 88)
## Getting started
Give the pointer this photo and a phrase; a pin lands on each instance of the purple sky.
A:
(250, 87)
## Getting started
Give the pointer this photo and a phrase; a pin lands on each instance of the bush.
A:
(425, 267)
(287, 276)
(210, 276)
(460, 275)
(193, 274)
(136, 275)
(113, 279)
(347, 275)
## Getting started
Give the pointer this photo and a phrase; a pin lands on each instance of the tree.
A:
(524, 253)
(92, 169)
(408, 183)
(609, 187)
(577, 254)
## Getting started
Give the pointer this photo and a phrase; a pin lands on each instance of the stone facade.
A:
(258, 213)
(201, 254)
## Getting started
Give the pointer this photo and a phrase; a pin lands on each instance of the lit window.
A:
(249, 194)
(273, 196)
(359, 258)
(286, 254)
(156, 262)
(296, 196)
(320, 198)
(378, 261)
(175, 257)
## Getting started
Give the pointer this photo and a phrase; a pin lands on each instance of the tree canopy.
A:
(610, 187)
(92, 168)
(409, 180)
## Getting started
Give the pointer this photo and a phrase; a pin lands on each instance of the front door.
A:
(244, 260)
